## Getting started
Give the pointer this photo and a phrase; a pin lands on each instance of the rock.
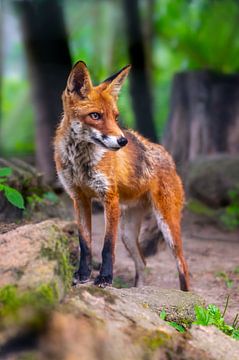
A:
(210, 178)
(109, 324)
(217, 345)
(178, 305)
(35, 254)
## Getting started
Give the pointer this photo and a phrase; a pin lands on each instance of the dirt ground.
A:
(212, 255)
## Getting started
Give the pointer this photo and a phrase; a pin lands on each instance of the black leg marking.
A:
(82, 275)
(183, 282)
(105, 277)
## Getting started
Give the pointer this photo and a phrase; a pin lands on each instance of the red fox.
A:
(95, 158)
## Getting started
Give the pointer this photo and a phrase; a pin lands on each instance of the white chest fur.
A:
(80, 159)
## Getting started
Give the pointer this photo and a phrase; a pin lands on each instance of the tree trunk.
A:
(139, 81)
(204, 115)
(49, 62)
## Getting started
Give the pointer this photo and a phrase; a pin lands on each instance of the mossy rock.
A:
(210, 178)
(36, 254)
(178, 305)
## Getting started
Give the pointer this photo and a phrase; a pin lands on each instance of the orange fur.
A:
(140, 173)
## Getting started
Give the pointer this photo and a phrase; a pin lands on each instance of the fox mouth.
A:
(99, 142)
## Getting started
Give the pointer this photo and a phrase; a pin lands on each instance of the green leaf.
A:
(176, 326)
(235, 334)
(163, 315)
(14, 197)
(202, 316)
(5, 171)
(51, 196)
(229, 283)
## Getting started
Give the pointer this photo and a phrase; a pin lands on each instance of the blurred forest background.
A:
(182, 91)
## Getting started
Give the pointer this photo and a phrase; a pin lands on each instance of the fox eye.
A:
(95, 116)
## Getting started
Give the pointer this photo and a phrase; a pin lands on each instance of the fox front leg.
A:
(112, 213)
(82, 207)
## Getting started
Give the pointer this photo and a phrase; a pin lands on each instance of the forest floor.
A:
(212, 255)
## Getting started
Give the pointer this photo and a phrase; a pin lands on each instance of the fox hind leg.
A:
(131, 218)
(168, 219)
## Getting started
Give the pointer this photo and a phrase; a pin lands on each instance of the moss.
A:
(98, 292)
(197, 207)
(26, 308)
(151, 340)
(58, 250)
(29, 356)
(119, 283)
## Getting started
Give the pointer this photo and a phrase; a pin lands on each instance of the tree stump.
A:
(204, 115)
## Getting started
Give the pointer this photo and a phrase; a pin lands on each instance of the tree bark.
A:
(204, 115)
(49, 63)
(139, 81)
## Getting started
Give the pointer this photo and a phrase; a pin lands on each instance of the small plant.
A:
(209, 316)
(213, 316)
(228, 281)
(230, 218)
(236, 270)
(119, 283)
(35, 200)
(12, 195)
(178, 327)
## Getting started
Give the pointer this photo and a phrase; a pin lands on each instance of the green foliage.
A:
(12, 195)
(180, 328)
(17, 112)
(186, 30)
(163, 315)
(51, 196)
(197, 207)
(5, 172)
(230, 218)
(177, 326)
(212, 316)
(36, 202)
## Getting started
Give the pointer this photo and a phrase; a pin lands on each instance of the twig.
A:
(226, 306)
(235, 321)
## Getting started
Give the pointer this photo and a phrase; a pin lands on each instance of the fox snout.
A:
(110, 142)
(122, 141)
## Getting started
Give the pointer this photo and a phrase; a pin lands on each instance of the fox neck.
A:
(77, 148)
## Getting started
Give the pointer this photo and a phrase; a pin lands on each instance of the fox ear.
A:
(115, 82)
(79, 80)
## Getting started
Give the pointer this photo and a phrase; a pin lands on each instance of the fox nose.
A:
(122, 141)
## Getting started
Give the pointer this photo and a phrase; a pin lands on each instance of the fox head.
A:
(91, 111)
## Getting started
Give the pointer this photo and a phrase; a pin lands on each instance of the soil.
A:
(212, 255)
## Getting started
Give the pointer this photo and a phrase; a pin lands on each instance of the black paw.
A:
(103, 281)
(80, 279)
